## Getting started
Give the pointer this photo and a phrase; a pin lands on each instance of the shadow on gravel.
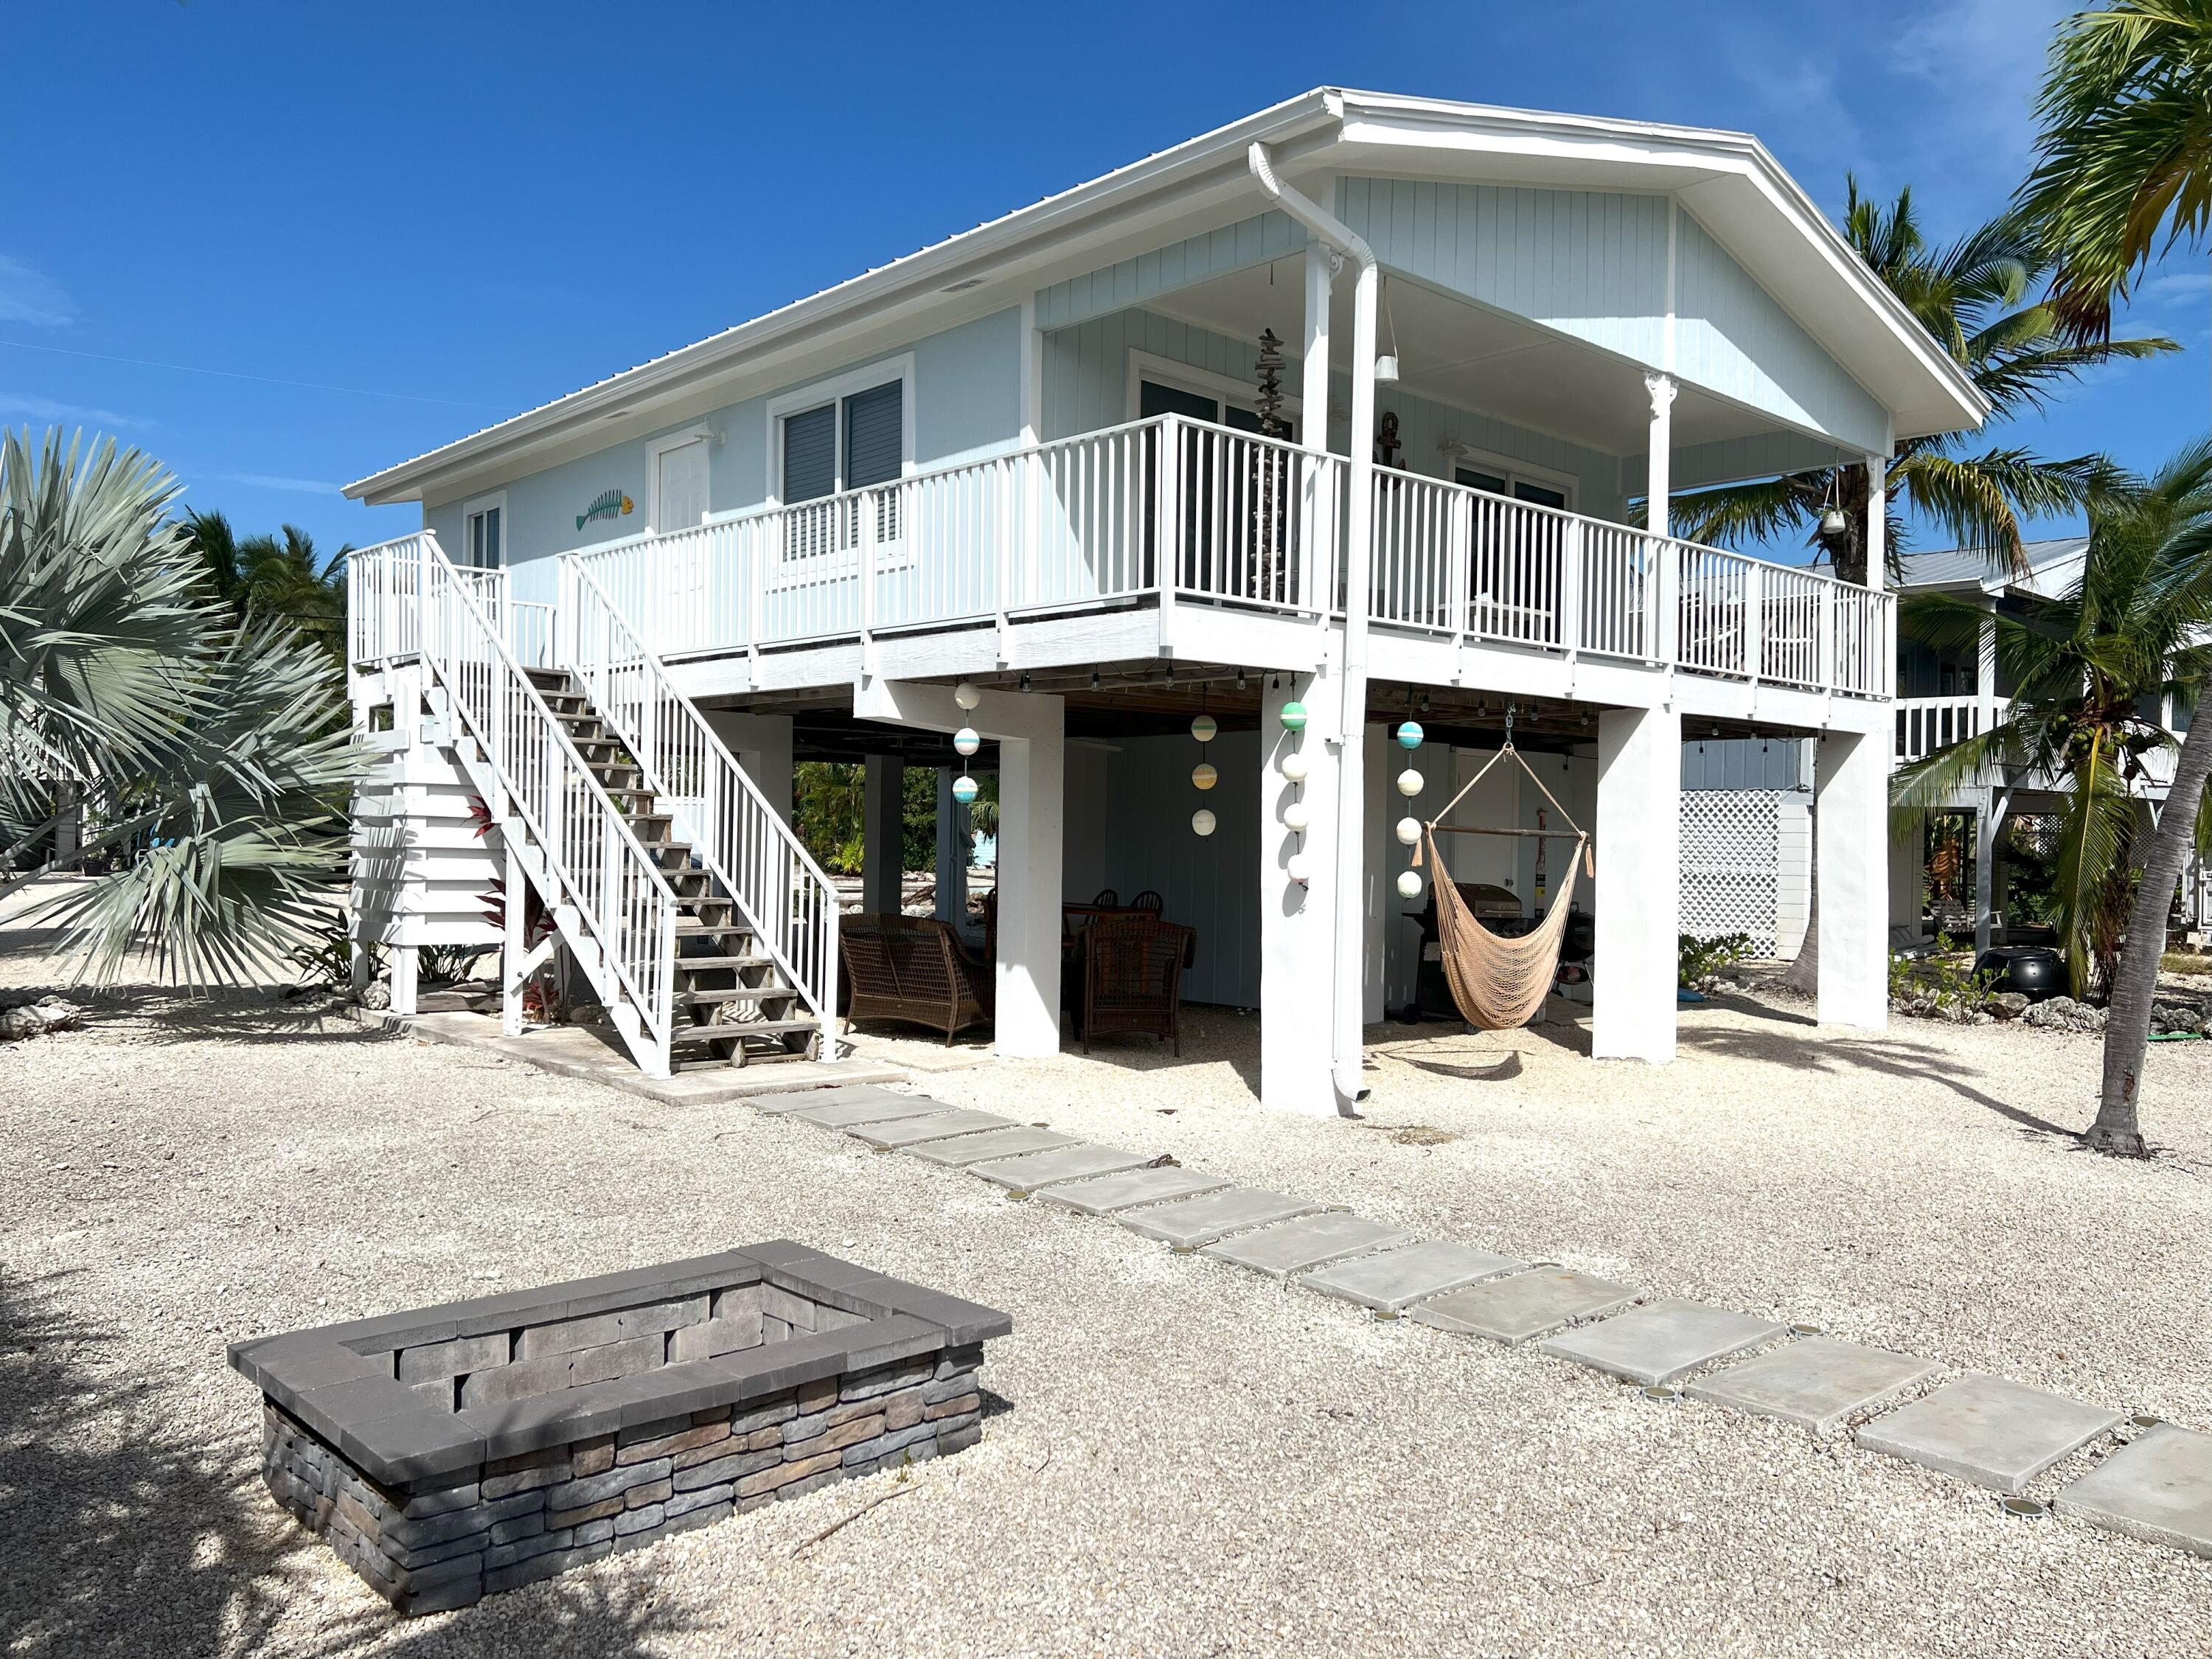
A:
(163, 1015)
(1893, 1057)
(125, 1538)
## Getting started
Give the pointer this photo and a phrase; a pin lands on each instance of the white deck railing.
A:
(1178, 510)
(610, 898)
(764, 868)
(1925, 725)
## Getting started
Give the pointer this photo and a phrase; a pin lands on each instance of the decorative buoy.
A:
(1409, 883)
(966, 694)
(963, 790)
(1203, 777)
(1294, 717)
(1410, 782)
(1295, 816)
(1410, 734)
(967, 740)
(1299, 869)
(1409, 832)
(1201, 822)
(1294, 766)
(1204, 728)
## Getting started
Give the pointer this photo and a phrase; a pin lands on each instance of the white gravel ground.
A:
(1190, 1460)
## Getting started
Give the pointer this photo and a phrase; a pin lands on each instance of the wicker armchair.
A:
(911, 968)
(1133, 977)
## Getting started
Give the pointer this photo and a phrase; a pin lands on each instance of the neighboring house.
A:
(1028, 463)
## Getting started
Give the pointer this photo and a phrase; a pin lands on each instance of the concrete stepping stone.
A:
(1195, 1221)
(2157, 1488)
(1990, 1431)
(1394, 1280)
(1312, 1241)
(1819, 1383)
(960, 1150)
(882, 1107)
(1520, 1306)
(800, 1100)
(1035, 1169)
(1126, 1192)
(1661, 1340)
(907, 1131)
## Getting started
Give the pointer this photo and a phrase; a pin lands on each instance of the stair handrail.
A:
(785, 897)
(627, 907)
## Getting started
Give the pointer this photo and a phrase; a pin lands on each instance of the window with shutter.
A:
(810, 454)
(875, 436)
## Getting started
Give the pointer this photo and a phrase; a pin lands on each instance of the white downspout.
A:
(1347, 1063)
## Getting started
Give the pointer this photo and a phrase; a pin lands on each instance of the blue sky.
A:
(282, 245)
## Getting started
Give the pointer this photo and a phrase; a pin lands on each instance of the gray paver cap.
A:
(2157, 1487)
(1127, 1191)
(1310, 1241)
(1520, 1306)
(1987, 1429)
(1397, 1279)
(1661, 1340)
(1819, 1383)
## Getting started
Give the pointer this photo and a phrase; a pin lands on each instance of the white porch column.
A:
(1908, 870)
(1030, 732)
(1381, 869)
(1322, 263)
(762, 745)
(1638, 889)
(882, 836)
(1297, 919)
(952, 852)
(1985, 813)
(1658, 486)
(1851, 860)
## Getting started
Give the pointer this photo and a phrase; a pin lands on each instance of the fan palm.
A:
(1973, 297)
(220, 745)
(2092, 671)
(2123, 172)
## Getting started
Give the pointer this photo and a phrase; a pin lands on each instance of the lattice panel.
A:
(1730, 859)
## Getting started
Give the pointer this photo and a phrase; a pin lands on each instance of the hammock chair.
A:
(1501, 983)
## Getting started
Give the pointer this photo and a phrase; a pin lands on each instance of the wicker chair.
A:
(1133, 977)
(1149, 900)
(911, 968)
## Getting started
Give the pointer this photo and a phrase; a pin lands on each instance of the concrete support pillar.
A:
(1031, 734)
(953, 850)
(883, 835)
(762, 745)
(1658, 487)
(1908, 863)
(1985, 853)
(513, 938)
(1297, 919)
(1383, 758)
(1851, 860)
(1639, 888)
(1031, 779)
(403, 979)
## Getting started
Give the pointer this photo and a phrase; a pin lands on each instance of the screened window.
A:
(849, 443)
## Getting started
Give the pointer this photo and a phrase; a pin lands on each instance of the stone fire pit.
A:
(451, 1452)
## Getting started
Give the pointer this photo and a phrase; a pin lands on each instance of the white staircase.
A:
(692, 948)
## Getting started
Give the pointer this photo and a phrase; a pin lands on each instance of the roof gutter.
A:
(1348, 1057)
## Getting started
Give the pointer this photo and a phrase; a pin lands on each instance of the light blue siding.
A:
(1590, 264)
(1086, 387)
(967, 401)
(1734, 338)
(1253, 241)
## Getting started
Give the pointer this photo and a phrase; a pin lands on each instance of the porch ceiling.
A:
(1471, 357)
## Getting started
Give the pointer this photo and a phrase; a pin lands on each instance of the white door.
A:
(1495, 803)
(680, 489)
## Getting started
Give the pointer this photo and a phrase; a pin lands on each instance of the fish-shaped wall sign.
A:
(609, 504)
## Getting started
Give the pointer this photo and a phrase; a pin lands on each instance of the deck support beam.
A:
(1639, 888)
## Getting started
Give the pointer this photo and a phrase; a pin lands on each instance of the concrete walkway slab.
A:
(1127, 1192)
(1196, 1221)
(1035, 1169)
(911, 1131)
(1522, 1306)
(876, 1106)
(1818, 1384)
(2157, 1488)
(962, 1150)
(1661, 1340)
(1397, 1279)
(1312, 1241)
(802, 1100)
(1984, 1429)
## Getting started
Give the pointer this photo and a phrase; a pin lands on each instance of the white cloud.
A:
(2176, 288)
(45, 411)
(276, 481)
(28, 294)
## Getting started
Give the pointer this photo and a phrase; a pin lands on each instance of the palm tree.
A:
(2123, 172)
(1973, 296)
(209, 539)
(220, 745)
(283, 576)
(2090, 671)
